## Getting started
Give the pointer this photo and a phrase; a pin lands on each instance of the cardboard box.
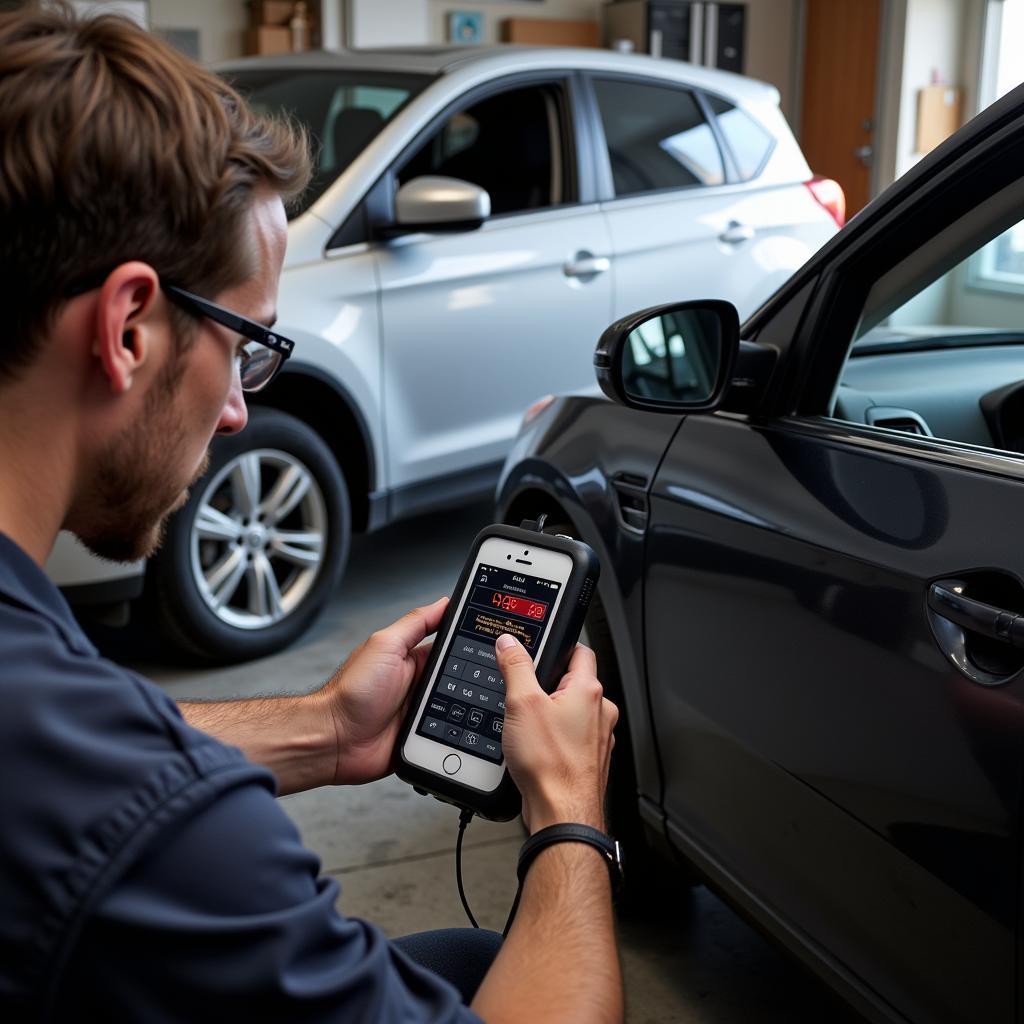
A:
(939, 114)
(272, 12)
(549, 32)
(268, 39)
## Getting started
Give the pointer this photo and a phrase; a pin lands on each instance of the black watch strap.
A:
(573, 833)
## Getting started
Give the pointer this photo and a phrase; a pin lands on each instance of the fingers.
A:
(420, 654)
(516, 667)
(610, 712)
(412, 627)
(582, 665)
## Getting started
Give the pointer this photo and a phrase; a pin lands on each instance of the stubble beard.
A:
(137, 482)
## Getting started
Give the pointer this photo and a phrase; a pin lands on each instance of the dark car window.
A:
(750, 142)
(657, 137)
(509, 144)
(343, 110)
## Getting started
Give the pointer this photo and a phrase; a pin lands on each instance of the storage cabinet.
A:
(711, 34)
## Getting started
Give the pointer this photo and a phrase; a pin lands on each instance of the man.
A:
(146, 872)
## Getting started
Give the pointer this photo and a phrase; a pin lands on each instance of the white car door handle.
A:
(736, 232)
(586, 264)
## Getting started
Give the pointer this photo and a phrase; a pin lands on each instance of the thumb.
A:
(516, 666)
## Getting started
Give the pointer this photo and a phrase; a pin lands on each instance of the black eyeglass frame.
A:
(199, 306)
(250, 329)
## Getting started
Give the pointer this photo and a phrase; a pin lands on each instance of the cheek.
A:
(215, 401)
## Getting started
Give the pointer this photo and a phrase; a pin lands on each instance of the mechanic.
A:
(146, 870)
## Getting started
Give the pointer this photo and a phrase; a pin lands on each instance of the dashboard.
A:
(961, 384)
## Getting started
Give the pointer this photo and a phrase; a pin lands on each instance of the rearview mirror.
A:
(435, 203)
(676, 358)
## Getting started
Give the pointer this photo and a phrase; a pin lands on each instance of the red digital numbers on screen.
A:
(519, 605)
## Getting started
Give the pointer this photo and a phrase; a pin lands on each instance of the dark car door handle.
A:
(977, 616)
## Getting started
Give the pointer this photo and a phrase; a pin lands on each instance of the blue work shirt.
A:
(146, 870)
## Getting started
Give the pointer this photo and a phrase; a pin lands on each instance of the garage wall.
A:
(932, 47)
(220, 24)
(944, 36)
(773, 49)
(772, 30)
(495, 13)
(391, 23)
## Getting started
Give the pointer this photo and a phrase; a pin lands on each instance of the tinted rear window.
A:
(657, 137)
(344, 110)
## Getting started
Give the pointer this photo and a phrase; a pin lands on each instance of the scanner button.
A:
(451, 764)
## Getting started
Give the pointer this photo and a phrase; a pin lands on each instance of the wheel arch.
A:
(325, 405)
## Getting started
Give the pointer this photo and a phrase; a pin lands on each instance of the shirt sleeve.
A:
(228, 920)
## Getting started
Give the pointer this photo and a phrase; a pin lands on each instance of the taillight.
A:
(829, 194)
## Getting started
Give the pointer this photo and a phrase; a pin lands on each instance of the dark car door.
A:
(846, 771)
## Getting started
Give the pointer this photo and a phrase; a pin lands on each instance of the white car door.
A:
(682, 226)
(476, 325)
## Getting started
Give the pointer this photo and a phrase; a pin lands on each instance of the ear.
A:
(124, 322)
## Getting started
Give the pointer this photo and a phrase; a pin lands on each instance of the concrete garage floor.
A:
(392, 850)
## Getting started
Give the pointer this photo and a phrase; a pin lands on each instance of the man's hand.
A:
(368, 696)
(557, 745)
(559, 961)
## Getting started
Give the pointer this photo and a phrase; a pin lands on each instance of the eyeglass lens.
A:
(259, 365)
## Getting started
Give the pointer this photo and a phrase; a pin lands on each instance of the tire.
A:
(225, 586)
(653, 884)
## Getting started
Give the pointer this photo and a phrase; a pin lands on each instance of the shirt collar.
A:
(22, 582)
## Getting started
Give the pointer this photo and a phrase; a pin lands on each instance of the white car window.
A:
(508, 143)
(657, 137)
(750, 142)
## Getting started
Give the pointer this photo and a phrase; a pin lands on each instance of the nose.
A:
(234, 415)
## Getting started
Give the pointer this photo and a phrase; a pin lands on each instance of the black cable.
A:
(465, 817)
(512, 912)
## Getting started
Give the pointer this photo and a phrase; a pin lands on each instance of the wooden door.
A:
(837, 129)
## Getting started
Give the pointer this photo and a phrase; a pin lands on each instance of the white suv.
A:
(477, 219)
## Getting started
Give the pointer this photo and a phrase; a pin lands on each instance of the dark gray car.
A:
(811, 607)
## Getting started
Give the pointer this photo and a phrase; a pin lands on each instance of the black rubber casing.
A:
(504, 802)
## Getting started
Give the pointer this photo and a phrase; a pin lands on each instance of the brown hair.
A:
(115, 147)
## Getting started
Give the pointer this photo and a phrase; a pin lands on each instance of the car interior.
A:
(945, 358)
(508, 144)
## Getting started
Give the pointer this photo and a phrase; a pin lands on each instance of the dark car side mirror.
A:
(674, 358)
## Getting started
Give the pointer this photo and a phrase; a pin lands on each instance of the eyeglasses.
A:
(261, 359)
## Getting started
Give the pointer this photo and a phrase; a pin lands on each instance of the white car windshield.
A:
(344, 110)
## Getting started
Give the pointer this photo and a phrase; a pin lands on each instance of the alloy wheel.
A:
(258, 538)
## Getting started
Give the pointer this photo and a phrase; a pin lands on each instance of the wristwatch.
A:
(610, 848)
